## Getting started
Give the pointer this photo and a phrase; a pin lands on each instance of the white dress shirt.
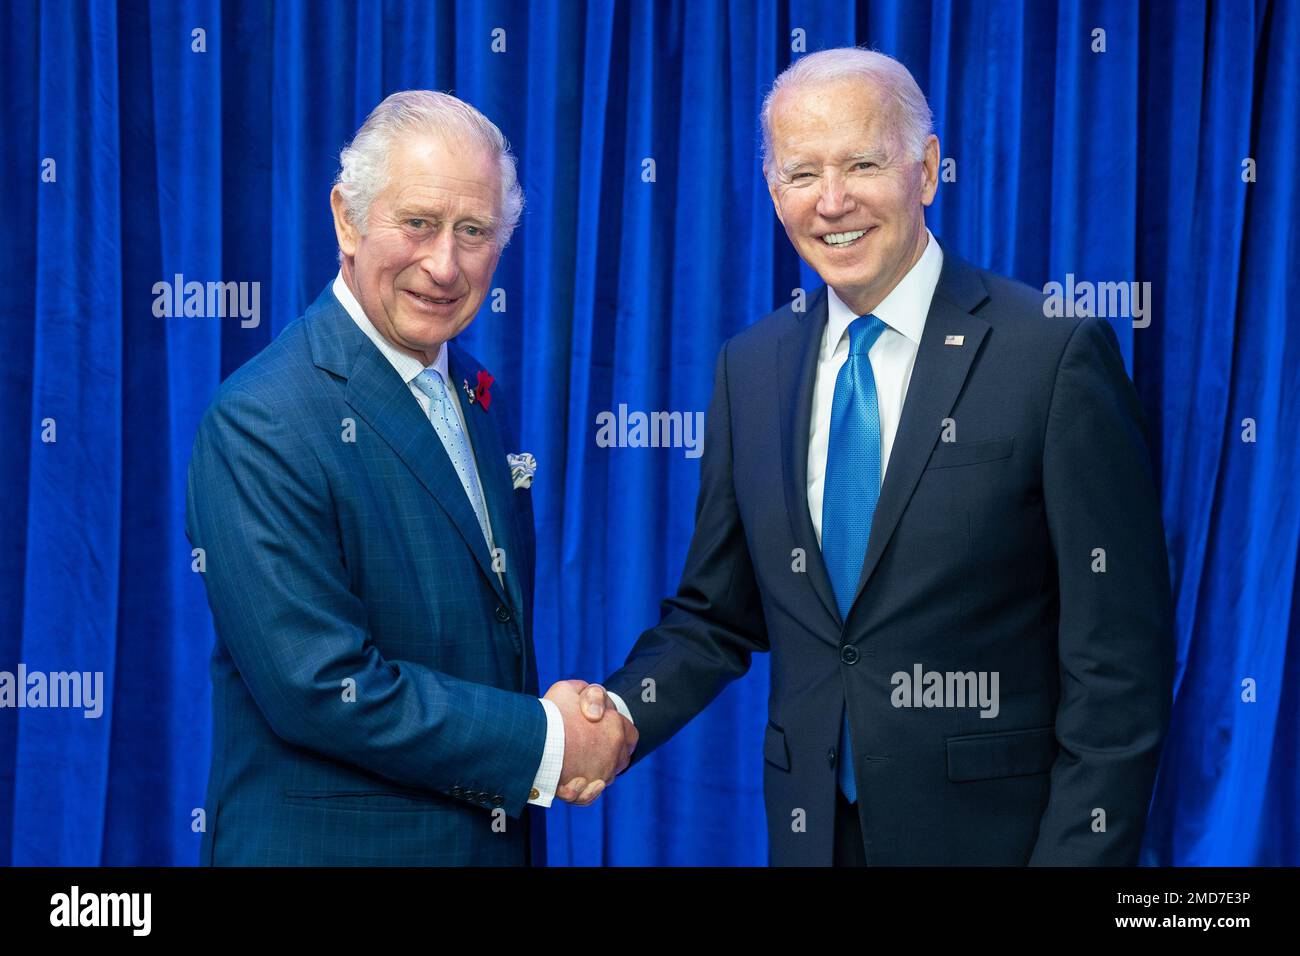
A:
(892, 357)
(548, 773)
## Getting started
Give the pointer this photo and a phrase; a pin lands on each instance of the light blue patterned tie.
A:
(852, 488)
(447, 424)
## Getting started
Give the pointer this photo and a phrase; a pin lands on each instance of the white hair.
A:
(883, 72)
(363, 164)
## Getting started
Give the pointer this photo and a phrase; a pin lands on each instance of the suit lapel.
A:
(937, 379)
(493, 471)
(796, 374)
(377, 393)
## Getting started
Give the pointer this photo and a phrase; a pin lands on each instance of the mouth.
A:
(844, 240)
(430, 303)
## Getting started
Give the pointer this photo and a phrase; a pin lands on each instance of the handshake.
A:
(598, 740)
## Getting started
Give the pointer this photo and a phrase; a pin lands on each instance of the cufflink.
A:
(534, 794)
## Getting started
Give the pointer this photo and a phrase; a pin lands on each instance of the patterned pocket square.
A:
(522, 468)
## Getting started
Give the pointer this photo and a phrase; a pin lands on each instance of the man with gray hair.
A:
(367, 535)
(935, 507)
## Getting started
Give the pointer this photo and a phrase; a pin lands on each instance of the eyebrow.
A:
(416, 212)
(794, 165)
(874, 155)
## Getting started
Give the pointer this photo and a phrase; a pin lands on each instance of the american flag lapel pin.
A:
(954, 339)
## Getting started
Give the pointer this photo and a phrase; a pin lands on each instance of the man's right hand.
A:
(598, 741)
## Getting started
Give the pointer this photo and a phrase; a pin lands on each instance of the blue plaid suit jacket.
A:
(373, 679)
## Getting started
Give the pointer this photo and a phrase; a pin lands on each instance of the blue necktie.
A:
(852, 488)
(447, 424)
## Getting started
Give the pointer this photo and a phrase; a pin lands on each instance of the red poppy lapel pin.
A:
(481, 393)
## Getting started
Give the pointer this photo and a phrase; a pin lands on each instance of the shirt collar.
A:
(904, 309)
(407, 366)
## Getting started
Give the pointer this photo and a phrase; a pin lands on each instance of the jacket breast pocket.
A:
(956, 454)
(1010, 753)
(775, 750)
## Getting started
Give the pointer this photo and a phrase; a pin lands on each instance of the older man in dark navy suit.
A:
(934, 506)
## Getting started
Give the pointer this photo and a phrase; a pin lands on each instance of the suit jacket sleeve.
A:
(709, 629)
(260, 506)
(1115, 641)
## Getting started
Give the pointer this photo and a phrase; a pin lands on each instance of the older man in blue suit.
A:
(369, 547)
(934, 506)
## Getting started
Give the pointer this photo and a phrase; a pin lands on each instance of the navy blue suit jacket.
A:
(373, 681)
(981, 559)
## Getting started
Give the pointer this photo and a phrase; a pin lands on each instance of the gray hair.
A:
(363, 164)
(882, 71)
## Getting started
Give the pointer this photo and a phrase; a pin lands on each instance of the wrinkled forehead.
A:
(848, 112)
(444, 169)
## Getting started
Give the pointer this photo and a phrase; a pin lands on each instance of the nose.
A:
(834, 200)
(439, 261)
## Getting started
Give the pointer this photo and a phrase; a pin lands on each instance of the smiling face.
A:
(850, 196)
(426, 260)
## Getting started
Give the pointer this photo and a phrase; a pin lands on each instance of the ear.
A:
(930, 170)
(347, 234)
(496, 258)
(776, 203)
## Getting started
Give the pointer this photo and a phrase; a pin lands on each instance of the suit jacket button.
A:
(498, 800)
(457, 791)
(830, 756)
(503, 613)
(849, 654)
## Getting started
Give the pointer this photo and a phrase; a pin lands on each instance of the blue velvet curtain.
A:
(136, 149)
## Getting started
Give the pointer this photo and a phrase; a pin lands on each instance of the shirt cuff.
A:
(548, 773)
(620, 706)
